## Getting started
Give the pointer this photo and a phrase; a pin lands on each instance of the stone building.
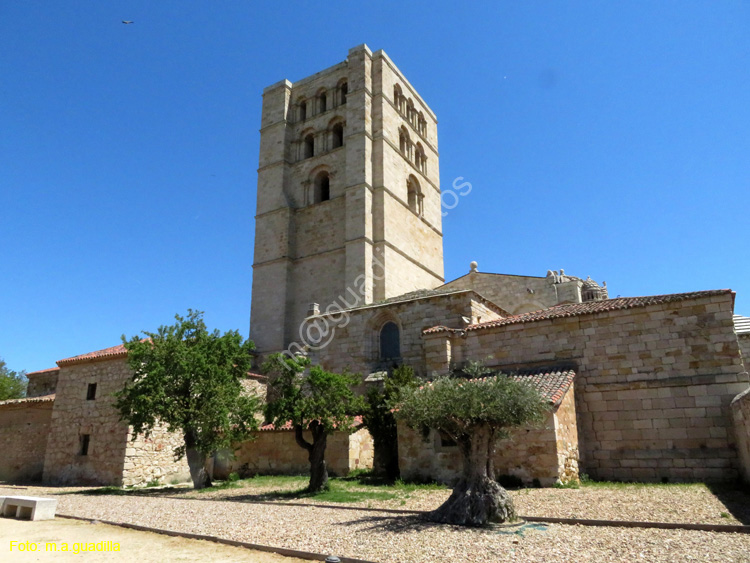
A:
(348, 269)
(348, 194)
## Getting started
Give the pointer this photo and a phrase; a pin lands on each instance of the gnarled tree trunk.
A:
(315, 455)
(477, 499)
(196, 462)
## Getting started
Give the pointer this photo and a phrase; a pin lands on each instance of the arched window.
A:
(309, 146)
(410, 111)
(344, 90)
(390, 341)
(302, 110)
(422, 124)
(322, 99)
(338, 135)
(397, 97)
(322, 187)
(419, 158)
(404, 143)
(414, 196)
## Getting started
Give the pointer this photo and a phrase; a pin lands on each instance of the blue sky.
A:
(608, 139)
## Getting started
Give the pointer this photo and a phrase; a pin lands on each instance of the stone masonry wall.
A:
(741, 419)
(744, 342)
(356, 346)
(510, 292)
(152, 459)
(653, 388)
(276, 452)
(42, 382)
(23, 439)
(74, 416)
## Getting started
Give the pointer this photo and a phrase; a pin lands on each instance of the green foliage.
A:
(190, 379)
(458, 406)
(12, 384)
(304, 394)
(378, 417)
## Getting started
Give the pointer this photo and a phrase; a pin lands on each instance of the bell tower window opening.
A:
(322, 101)
(338, 136)
(415, 199)
(344, 90)
(309, 146)
(390, 341)
(322, 187)
(302, 110)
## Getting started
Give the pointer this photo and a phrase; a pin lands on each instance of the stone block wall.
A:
(24, 426)
(75, 417)
(42, 382)
(276, 452)
(744, 342)
(152, 459)
(356, 345)
(510, 292)
(741, 418)
(653, 388)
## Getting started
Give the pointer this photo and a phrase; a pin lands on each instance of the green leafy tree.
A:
(475, 413)
(191, 380)
(378, 418)
(311, 399)
(12, 383)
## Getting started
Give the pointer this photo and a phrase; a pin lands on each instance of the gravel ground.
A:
(386, 538)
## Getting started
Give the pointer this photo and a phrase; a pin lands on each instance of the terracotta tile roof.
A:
(41, 371)
(42, 399)
(552, 385)
(587, 308)
(288, 425)
(118, 351)
(741, 325)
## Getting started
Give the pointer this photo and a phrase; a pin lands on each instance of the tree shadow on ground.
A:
(398, 524)
(735, 498)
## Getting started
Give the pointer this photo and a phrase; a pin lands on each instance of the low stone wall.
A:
(152, 459)
(741, 417)
(23, 439)
(275, 452)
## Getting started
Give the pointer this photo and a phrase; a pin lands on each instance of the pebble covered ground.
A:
(385, 537)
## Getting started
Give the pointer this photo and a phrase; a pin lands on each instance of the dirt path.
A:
(143, 547)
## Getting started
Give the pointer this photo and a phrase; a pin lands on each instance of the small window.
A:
(91, 392)
(322, 188)
(338, 135)
(390, 345)
(303, 111)
(85, 440)
(415, 200)
(344, 92)
(322, 102)
(309, 146)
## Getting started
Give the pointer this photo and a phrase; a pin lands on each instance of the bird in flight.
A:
(126, 21)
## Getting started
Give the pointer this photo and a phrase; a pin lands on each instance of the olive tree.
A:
(475, 413)
(190, 380)
(313, 399)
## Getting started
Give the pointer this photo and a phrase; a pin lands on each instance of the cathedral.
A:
(348, 270)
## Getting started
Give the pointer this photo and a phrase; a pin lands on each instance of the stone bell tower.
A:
(348, 208)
